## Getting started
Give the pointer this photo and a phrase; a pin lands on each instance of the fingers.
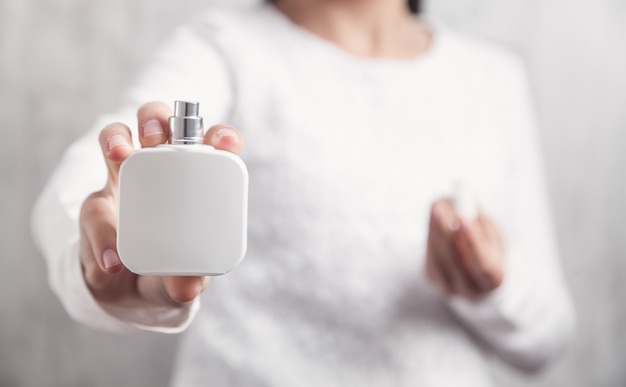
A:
(170, 291)
(479, 244)
(467, 244)
(98, 223)
(103, 270)
(443, 249)
(489, 229)
(184, 289)
(435, 274)
(116, 144)
(224, 137)
(153, 127)
(465, 256)
(104, 273)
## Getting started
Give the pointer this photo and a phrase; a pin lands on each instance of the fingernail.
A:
(152, 127)
(110, 259)
(225, 132)
(116, 140)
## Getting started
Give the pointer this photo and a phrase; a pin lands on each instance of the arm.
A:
(528, 318)
(186, 67)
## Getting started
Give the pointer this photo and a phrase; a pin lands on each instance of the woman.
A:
(357, 117)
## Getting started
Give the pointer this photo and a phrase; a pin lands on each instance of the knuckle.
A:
(88, 207)
(95, 207)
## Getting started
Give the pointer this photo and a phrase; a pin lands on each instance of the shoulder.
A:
(480, 59)
(241, 35)
(232, 22)
(494, 77)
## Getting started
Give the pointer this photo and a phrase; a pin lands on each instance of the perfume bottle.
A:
(464, 201)
(182, 206)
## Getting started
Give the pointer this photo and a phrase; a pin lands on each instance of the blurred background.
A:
(63, 62)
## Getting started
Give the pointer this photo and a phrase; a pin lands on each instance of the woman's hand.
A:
(464, 257)
(106, 277)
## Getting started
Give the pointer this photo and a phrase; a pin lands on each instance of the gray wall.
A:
(64, 61)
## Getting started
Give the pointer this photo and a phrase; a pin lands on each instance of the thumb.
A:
(170, 291)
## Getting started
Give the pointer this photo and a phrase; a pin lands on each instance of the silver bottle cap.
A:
(185, 124)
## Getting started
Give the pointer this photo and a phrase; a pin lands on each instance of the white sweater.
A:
(345, 156)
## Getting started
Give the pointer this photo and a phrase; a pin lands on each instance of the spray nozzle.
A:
(185, 124)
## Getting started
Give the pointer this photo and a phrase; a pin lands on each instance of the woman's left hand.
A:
(464, 257)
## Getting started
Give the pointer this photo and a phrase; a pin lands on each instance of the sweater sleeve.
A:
(529, 320)
(187, 67)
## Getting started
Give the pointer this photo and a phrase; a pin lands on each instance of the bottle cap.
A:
(185, 124)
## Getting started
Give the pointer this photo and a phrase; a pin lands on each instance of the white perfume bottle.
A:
(183, 207)
(464, 201)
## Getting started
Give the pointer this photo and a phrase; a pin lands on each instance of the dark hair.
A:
(414, 5)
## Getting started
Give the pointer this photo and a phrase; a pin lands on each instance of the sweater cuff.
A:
(527, 320)
(83, 307)
(508, 308)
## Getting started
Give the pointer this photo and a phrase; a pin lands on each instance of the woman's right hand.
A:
(107, 278)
